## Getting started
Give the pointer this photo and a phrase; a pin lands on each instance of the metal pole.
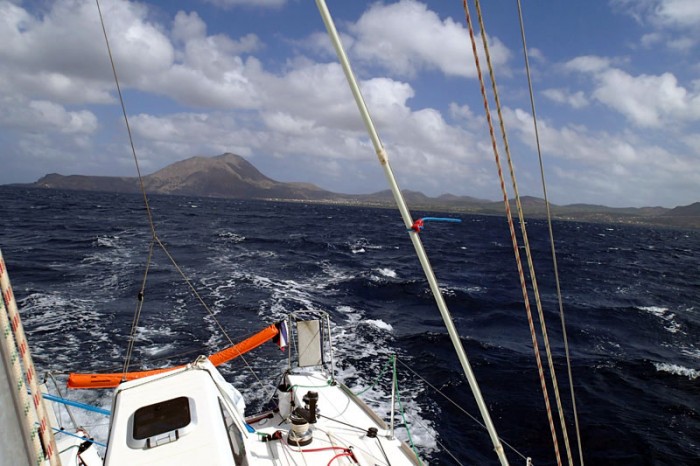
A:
(415, 238)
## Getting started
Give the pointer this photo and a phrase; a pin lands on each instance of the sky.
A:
(616, 88)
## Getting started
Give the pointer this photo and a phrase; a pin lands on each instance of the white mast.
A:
(15, 444)
(15, 349)
(415, 237)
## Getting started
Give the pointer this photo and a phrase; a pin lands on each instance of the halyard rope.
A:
(511, 226)
(155, 238)
(523, 230)
(551, 232)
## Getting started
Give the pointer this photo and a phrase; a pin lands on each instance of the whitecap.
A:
(158, 350)
(231, 237)
(677, 369)
(380, 324)
(664, 314)
(387, 272)
(107, 241)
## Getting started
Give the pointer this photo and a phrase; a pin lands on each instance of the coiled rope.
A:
(155, 239)
(514, 237)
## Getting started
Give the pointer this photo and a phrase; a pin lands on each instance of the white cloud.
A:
(662, 13)
(682, 44)
(187, 26)
(588, 64)
(645, 100)
(44, 116)
(674, 21)
(432, 43)
(680, 13)
(62, 56)
(228, 4)
(563, 96)
(651, 39)
(67, 122)
(621, 169)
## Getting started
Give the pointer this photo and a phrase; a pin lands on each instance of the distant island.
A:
(231, 176)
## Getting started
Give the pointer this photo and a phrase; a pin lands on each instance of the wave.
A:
(231, 237)
(677, 369)
(665, 315)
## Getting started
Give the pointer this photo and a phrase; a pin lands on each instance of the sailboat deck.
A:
(343, 425)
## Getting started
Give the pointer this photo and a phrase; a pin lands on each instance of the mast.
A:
(29, 410)
(16, 440)
(414, 235)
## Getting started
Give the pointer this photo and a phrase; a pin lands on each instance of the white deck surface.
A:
(335, 404)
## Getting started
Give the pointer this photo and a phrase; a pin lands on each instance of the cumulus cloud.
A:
(610, 167)
(432, 44)
(675, 21)
(45, 116)
(228, 4)
(662, 13)
(680, 13)
(645, 100)
(563, 96)
(62, 56)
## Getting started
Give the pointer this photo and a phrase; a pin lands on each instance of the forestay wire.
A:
(551, 232)
(154, 236)
(459, 407)
(514, 237)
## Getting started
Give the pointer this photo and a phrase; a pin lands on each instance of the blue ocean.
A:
(631, 299)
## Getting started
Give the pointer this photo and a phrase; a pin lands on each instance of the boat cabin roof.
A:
(180, 417)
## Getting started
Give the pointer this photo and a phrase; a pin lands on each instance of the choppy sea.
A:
(631, 300)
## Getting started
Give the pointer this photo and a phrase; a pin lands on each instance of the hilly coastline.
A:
(231, 176)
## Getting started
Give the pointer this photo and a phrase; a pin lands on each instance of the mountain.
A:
(227, 175)
(692, 210)
(231, 176)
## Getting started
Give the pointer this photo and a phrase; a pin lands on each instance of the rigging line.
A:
(551, 232)
(49, 375)
(358, 428)
(513, 236)
(472, 417)
(523, 229)
(405, 422)
(137, 314)
(126, 121)
(209, 311)
(148, 209)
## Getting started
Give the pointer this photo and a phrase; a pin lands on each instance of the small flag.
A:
(282, 337)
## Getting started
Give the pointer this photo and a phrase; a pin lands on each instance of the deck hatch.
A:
(162, 417)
